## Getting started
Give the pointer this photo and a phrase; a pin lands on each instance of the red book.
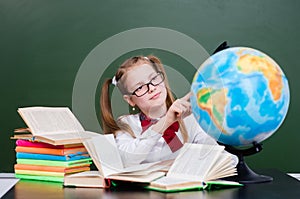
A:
(28, 143)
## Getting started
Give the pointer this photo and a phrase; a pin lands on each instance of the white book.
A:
(197, 166)
(104, 152)
(53, 125)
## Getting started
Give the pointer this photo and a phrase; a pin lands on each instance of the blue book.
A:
(71, 157)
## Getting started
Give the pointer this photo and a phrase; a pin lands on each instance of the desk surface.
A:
(283, 186)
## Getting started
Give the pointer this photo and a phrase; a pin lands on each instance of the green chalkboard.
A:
(44, 46)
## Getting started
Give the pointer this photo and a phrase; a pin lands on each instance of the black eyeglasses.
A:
(143, 89)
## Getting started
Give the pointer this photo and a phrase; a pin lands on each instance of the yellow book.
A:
(37, 173)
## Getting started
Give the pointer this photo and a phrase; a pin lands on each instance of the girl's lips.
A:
(155, 96)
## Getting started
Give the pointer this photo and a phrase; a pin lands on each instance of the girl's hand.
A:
(180, 109)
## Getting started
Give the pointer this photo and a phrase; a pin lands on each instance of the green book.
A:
(40, 177)
(55, 163)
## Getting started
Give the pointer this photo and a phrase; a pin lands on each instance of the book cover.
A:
(48, 173)
(52, 151)
(40, 177)
(28, 143)
(54, 162)
(66, 170)
(38, 156)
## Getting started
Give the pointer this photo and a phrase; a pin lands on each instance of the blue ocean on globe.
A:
(240, 96)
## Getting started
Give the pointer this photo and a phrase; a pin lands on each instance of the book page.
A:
(45, 120)
(91, 179)
(85, 174)
(139, 178)
(223, 167)
(169, 180)
(7, 184)
(107, 154)
(88, 143)
(194, 161)
(70, 135)
(110, 160)
(146, 168)
(143, 169)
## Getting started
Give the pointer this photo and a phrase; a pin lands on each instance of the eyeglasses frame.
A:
(147, 84)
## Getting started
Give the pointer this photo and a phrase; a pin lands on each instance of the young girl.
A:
(163, 124)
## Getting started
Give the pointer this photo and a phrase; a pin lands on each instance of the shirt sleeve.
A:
(133, 151)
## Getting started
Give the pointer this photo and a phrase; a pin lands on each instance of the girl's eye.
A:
(139, 88)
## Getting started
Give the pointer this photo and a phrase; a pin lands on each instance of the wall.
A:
(44, 43)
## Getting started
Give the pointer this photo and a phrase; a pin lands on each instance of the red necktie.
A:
(169, 135)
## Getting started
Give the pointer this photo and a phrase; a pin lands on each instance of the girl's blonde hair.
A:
(109, 124)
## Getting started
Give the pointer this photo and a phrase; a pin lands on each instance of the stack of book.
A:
(47, 162)
(51, 145)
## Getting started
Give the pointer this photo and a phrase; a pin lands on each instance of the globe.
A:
(240, 96)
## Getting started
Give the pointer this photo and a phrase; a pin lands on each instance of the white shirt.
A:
(150, 146)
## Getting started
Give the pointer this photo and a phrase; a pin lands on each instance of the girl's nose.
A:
(151, 88)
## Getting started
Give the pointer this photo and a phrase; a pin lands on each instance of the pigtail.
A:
(109, 124)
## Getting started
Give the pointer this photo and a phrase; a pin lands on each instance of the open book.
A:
(197, 167)
(53, 125)
(104, 152)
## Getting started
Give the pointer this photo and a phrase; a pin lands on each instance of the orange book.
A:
(73, 169)
(67, 151)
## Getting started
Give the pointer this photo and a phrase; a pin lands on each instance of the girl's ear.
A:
(128, 99)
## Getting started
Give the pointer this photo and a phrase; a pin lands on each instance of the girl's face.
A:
(154, 98)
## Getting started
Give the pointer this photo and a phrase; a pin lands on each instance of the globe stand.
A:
(245, 174)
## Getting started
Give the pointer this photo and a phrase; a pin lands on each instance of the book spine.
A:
(47, 173)
(39, 168)
(29, 143)
(77, 150)
(51, 168)
(40, 156)
(39, 173)
(43, 178)
(54, 163)
(50, 157)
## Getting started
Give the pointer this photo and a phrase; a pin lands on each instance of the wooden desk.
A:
(283, 187)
